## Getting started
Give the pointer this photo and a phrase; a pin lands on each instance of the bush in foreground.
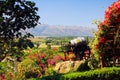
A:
(112, 73)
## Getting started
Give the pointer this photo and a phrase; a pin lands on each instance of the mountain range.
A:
(59, 30)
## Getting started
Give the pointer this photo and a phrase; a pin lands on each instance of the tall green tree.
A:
(16, 16)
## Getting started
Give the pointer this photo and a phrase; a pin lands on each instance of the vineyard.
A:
(25, 57)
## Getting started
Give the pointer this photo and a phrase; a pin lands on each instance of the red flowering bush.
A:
(112, 14)
(109, 25)
(57, 58)
(44, 60)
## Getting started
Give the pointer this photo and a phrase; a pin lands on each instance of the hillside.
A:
(48, 30)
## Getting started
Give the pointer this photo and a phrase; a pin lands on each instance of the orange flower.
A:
(96, 46)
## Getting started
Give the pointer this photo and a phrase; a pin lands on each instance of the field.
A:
(53, 41)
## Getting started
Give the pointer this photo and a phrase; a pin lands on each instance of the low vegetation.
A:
(98, 74)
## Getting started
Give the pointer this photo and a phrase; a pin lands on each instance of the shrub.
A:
(27, 69)
(98, 74)
(93, 63)
(84, 67)
(50, 71)
(45, 59)
(6, 72)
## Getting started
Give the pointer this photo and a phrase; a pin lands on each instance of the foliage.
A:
(110, 24)
(49, 46)
(50, 71)
(84, 67)
(45, 59)
(93, 63)
(15, 19)
(2, 67)
(98, 74)
(24, 43)
(27, 69)
(5, 71)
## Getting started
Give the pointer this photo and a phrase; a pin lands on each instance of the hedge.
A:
(112, 73)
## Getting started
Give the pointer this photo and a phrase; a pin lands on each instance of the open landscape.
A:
(60, 49)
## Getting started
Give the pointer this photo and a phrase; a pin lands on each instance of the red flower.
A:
(53, 61)
(112, 12)
(2, 77)
(48, 61)
(106, 21)
(102, 40)
(41, 65)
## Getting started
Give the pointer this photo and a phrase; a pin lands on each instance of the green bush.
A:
(98, 74)
(2, 67)
(27, 69)
(93, 63)
(6, 70)
(84, 67)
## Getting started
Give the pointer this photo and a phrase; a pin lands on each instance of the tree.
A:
(16, 16)
(106, 45)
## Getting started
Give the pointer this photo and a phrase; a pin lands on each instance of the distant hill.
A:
(58, 30)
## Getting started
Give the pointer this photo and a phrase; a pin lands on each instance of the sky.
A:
(72, 12)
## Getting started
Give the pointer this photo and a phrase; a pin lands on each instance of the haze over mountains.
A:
(58, 30)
